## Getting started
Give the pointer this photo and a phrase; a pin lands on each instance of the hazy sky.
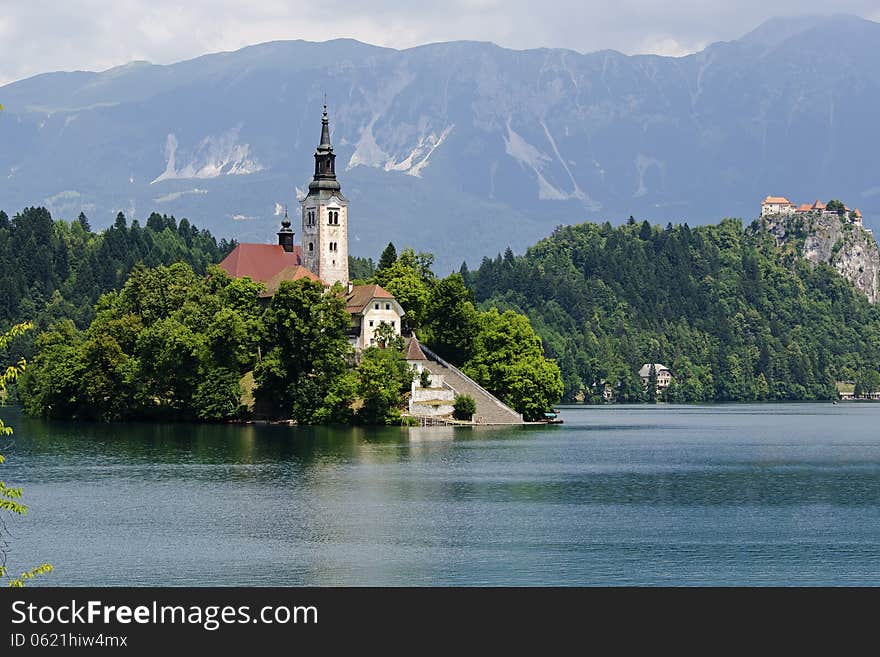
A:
(46, 35)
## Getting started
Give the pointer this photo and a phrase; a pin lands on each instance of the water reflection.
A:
(708, 495)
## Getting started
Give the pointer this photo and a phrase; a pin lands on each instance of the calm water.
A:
(763, 494)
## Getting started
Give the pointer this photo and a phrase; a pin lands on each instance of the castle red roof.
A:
(261, 262)
(776, 200)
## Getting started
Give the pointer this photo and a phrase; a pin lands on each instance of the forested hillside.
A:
(57, 269)
(733, 316)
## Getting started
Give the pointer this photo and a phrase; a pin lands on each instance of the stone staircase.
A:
(490, 409)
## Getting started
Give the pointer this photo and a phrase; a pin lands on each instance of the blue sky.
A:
(46, 35)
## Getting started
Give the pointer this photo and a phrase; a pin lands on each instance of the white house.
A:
(664, 375)
(370, 306)
(776, 205)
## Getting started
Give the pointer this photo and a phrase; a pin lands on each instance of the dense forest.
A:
(57, 269)
(732, 315)
(137, 323)
(172, 344)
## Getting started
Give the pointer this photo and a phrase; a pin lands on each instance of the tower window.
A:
(311, 246)
(333, 217)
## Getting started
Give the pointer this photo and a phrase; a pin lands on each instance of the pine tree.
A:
(388, 257)
(651, 392)
(84, 222)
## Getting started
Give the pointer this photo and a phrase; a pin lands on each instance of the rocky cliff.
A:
(829, 238)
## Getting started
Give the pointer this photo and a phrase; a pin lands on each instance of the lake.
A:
(785, 494)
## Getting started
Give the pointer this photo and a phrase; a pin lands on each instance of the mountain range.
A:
(458, 148)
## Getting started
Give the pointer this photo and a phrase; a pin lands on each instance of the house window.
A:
(376, 306)
(393, 323)
(387, 306)
(371, 322)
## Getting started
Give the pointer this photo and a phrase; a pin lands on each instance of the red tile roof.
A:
(260, 261)
(414, 350)
(818, 205)
(804, 207)
(292, 273)
(776, 200)
(361, 295)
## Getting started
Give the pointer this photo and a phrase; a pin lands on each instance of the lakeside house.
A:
(664, 375)
(781, 205)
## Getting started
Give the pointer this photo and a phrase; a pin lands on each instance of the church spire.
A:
(325, 161)
(325, 132)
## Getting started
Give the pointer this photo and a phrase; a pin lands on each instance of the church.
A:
(322, 255)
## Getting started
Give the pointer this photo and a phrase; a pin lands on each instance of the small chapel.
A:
(322, 254)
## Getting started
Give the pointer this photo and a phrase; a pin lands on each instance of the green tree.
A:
(11, 497)
(836, 205)
(464, 407)
(651, 388)
(452, 320)
(53, 385)
(425, 378)
(867, 383)
(406, 279)
(386, 337)
(381, 377)
(218, 396)
(509, 361)
(388, 257)
(306, 349)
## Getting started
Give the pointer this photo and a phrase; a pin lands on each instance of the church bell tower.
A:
(325, 217)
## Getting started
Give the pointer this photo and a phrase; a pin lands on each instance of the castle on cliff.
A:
(781, 205)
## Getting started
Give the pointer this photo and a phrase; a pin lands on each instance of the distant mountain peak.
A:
(779, 29)
(459, 148)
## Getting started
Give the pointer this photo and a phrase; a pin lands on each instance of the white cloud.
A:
(46, 35)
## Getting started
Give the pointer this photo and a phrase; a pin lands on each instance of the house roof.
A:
(645, 371)
(292, 273)
(261, 262)
(361, 295)
(804, 207)
(414, 350)
(857, 213)
(776, 200)
(817, 205)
